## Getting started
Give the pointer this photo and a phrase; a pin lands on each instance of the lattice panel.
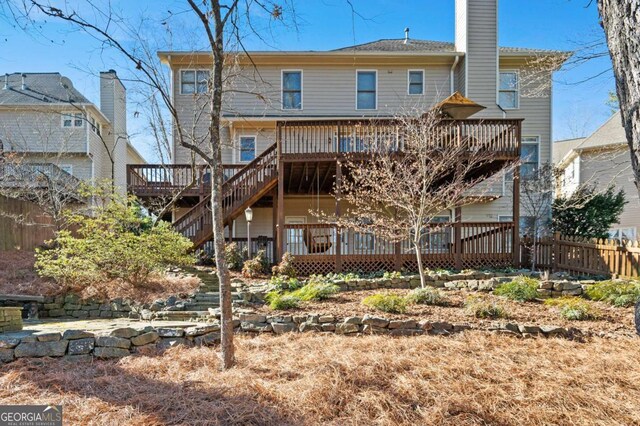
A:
(367, 266)
(310, 267)
(483, 262)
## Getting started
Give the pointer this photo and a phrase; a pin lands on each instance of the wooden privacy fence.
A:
(23, 225)
(580, 256)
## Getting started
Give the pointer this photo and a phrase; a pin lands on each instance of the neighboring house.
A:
(290, 115)
(601, 160)
(47, 124)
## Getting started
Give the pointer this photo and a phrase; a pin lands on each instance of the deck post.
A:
(516, 217)
(280, 225)
(274, 223)
(457, 231)
(338, 212)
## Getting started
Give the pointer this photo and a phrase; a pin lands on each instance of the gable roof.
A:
(40, 89)
(415, 45)
(610, 134)
(562, 148)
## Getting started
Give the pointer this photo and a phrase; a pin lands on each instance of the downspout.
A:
(451, 73)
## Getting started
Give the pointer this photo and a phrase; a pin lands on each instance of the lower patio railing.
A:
(322, 248)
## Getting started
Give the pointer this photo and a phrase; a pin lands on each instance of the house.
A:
(47, 125)
(601, 160)
(290, 116)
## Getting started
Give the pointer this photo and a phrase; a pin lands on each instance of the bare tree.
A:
(220, 23)
(621, 22)
(410, 176)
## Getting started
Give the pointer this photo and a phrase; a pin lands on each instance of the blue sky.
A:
(328, 24)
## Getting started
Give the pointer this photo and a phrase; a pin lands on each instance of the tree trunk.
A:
(621, 22)
(416, 247)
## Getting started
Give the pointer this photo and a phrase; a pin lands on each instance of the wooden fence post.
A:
(457, 232)
(555, 251)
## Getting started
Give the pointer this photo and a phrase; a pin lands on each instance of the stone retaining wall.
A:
(71, 306)
(80, 344)
(10, 319)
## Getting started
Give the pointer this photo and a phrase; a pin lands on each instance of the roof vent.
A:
(6, 82)
(406, 35)
(24, 76)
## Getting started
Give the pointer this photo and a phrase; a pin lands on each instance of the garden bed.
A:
(612, 320)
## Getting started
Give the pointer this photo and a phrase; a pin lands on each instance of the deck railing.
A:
(447, 245)
(162, 179)
(330, 138)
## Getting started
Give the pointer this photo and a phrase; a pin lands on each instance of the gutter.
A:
(455, 62)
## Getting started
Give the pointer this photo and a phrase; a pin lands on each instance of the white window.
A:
(247, 148)
(67, 168)
(291, 89)
(95, 126)
(530, 156)
(415, 82)
(366, 89)
(364, 241)
(294, 238)
(75, 119)
(508, 97)
(622, 234)
(192, 81)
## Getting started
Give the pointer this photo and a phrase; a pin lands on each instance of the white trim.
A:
(517, 90)
(375, 71)
(69, 166)
(287, 219)
(409, 71)
(195, 79)
(255, 147)
(282, 89)
(73, 115)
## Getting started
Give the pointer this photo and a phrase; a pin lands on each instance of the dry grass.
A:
(18, 276)
(471, 379)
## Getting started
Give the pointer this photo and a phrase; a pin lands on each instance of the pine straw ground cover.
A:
(470, 379)
(611, 320)
(18, 276)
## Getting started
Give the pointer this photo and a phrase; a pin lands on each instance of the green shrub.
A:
(117, 242)
(617, 293)
(573, 308)
(386, 302)
(427, 296)
(257, 266)
(481, 307)
(285, 267)
(334, 276)
(315, 291)
(521, 289)
(233, 256)
(282, 283)
(391, 275)
(281, 302)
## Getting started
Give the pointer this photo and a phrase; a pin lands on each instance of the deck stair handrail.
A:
(238, 192)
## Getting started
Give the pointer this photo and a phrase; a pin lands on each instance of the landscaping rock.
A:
(208, 339)
(170, 332)
(7, 342)
(371, 329)
(6, 355)
(552, 330)
(402, 324)
(255, 327)
(110, 352)
(441, 326)
(201, 329)
(76, 334)
(353, 320)
(40, 349)
(326, 318)
(307, 326)
(375, 321)
(280, 319)
(48, 336)
(280, 328)
(113, 342)
(145, 338)
(81, 346)
(346, 328)
(172, 341)
(125, 333)
(406, 332)
(253, 318)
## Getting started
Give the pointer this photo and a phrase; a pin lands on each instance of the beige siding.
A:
(607, 168)
(81, 164)
(39, 130)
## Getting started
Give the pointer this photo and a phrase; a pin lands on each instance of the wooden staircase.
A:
(240, 191)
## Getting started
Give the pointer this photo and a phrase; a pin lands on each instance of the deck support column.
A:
(516, 217)
(280, 204)
(274, 223)
(457, 237)
(338, 213)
